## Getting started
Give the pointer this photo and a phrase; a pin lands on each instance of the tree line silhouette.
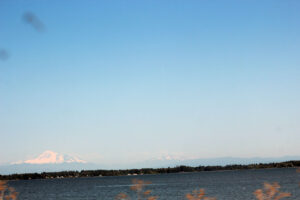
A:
(123, 172)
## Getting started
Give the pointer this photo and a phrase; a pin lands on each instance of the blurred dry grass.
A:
(139, 187)
(270, 192)
(7, 193)
(198, 195)
(122, 196)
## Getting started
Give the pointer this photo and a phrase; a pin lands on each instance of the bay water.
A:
(224, 185)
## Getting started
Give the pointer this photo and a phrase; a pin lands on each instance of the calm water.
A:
(225, 185)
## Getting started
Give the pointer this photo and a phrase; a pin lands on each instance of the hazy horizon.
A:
(52, 157)
(50, 161)
(128, 81)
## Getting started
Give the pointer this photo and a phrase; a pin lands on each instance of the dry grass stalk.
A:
(122, 196)
(198, 195)
(139, 187)
(7, 193)
(271, 192)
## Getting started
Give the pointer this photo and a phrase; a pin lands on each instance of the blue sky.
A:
(112, 81)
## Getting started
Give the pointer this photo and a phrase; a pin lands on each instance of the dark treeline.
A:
(93, 173)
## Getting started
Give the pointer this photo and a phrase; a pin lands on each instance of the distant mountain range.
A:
(50, 161)
(222, 161)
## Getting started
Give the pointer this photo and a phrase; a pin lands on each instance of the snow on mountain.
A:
(165, 156)
(50, 157)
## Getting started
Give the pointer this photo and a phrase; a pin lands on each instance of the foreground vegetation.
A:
(93, 173)
(269, 192)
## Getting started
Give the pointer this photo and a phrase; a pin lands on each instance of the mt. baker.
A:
(50, 157)
(48, 161)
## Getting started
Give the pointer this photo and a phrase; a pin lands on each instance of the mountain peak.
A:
(50, 157)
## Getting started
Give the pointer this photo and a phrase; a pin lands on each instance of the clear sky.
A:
(117, 80)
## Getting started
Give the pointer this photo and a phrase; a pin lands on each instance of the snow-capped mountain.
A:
(48, 161)
(50, 157)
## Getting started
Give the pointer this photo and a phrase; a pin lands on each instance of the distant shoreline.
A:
(144, 171)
